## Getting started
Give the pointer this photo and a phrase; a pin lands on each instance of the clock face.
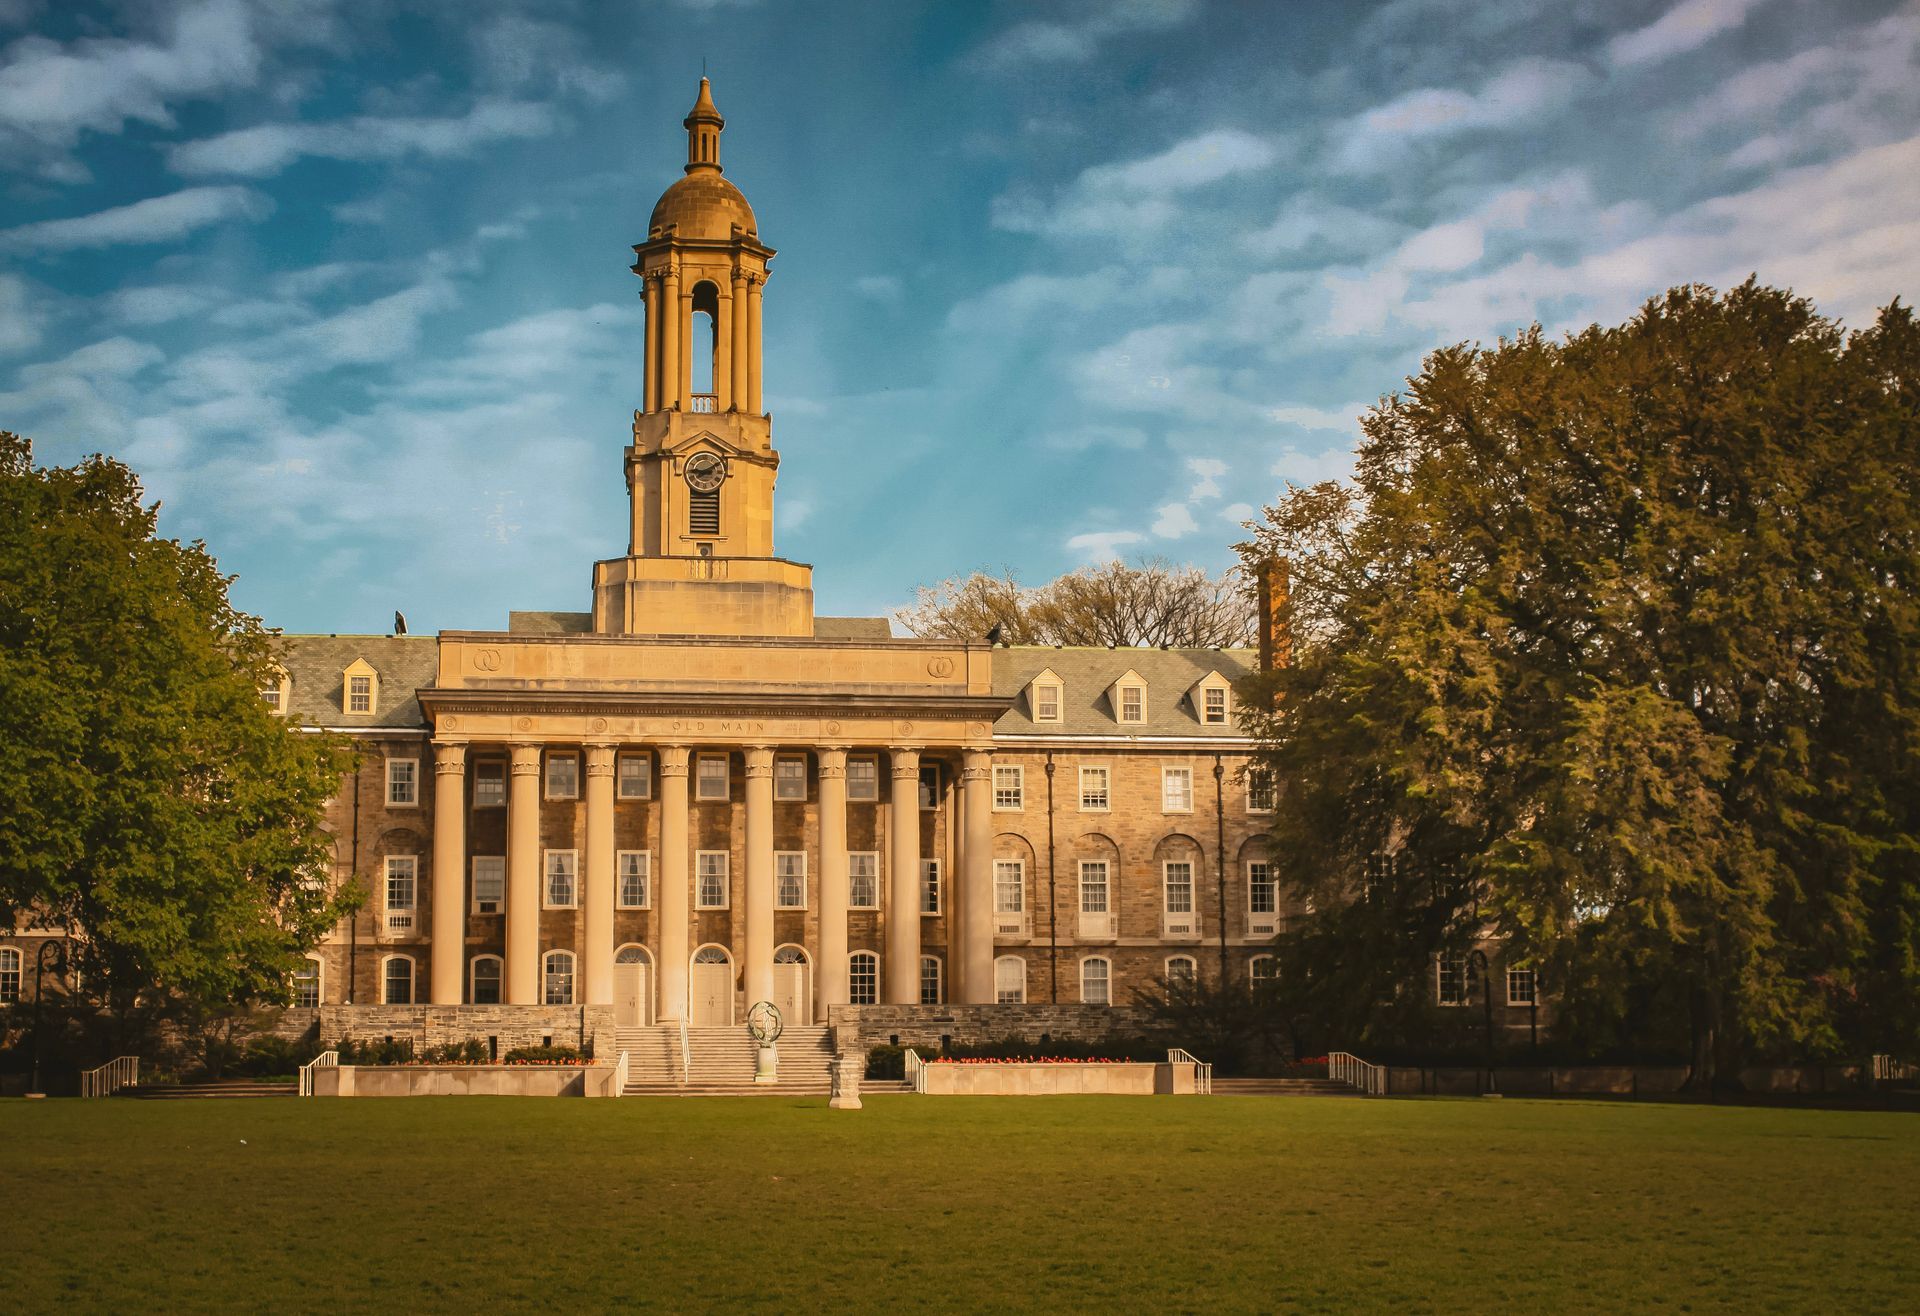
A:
(705, 472)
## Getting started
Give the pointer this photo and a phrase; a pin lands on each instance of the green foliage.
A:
(886, 1064)
(1613, 640)
(148, 799)
(535, 1055)
(387, 1051)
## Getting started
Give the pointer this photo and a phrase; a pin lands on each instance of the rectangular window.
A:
(789, 779)
(489, 883)
(1133, 704)
(863, 979)
(559, 984)
(399, 981)
(863, 880)
(560, 879)
(1095, 790)
(712, 784)
(486, 980)
(790, 879)
(711, 869)
(306, 985)
(1213, 706)
(1009, 886)
(1093, 886)
(10, 962)
(1179, 875)
(1259, 790)
(403, 783)
(929, 785)
(489, 783)
(1010, 980)
(863, 779)
(403, 871)
(1095, 982)
(929, 980)
(563, 776)
(1263, 892)
(272, 695)
(929, 886)
(1009, 786)
(1376, 876)
(1452, 987)
(1046, 703)
(635, 871)
(359, 694)
(1176, 790)
(1520, 985)
(633, 777)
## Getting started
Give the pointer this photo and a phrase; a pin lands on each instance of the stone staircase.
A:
(1281, 1087)
(193, 1091)
(722, 1062)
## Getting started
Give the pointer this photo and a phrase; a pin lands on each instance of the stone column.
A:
(759, 966)
(596, 917)
(523, 877)
(670, 339)
(449, 873)
(753, 348)
(670, 900)
(903, 886)
(830, 960)
(737, 315)
(976, 862)
(651, 397)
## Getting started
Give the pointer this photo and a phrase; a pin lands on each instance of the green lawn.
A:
(954, 1203)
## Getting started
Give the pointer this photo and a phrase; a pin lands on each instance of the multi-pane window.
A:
(489, 783)
(360, 695)
(1263, 891)
(929, 886)
(1096, 793)
(1096, 982)
(272, 695)
(789, 779)
(1010, 980)
(634, 869)
(1093, 886)
(1452, 986)
(790, 879)
(863, 880)
(306, 985)
(1520, 985)
(1046, 703)
(929, 785)
(929, 980)
(1181, 971)
(1213, 705)
(489, 883)
(1179, 883)
(863, 978)
(711, 782)
(9, 975)
(396, 982)
(633, 777)
(1176, 790)
(563, 776)
(1009, 886)
(863, 779)
(562, 872)
(1375, 873)
(1133, 703)
(557, 978)
(1009, 785)
(1261, 969)
(403, 871)
(403, 782)
(1259, 790)
(710, 879)
(486, 980)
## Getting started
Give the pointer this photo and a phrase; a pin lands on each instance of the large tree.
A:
(1613, 642)
(1153, 603)
(149, 801)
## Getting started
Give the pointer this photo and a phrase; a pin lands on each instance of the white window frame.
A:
(359, 671)
(473, 978)
(1105, 886)
(12, 979)
(701, 778)
(703, 860)
(1207, 693)
(386, 983)
(1005, 996)
(622, 778)
(1019, 906)
(500, 901)
(1169, 802)
(403, 773)
(1096, 799)
(1532, 995)
(869, 859)
(929, 886)
(789, 865)
(319, 983)
(498, 773)
(939, 980)
(400, 913)
(1462, 972)
(1106, 980)
(861, 992)
(863, 785)
(1271, 883)
(638, 865)
(548, 974)
(1139, 708)
(1009, 787)
(555, 757)
(784, 782)
(1166, 886)
(1191, 973)
(1253, 969)
(1043, 693)
(557, 863)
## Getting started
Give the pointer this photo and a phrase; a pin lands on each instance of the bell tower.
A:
(700, 472)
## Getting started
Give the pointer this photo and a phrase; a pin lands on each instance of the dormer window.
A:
(1129, 698)
(276, 692)
(360, 688)
(1212, 699)
(1044, 694)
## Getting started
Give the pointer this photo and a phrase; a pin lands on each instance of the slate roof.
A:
(316, 665)
(851, 628)
(1086, 675)
(549, 623)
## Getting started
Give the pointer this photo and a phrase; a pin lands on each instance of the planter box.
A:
(1017, 1080)
(464, 1081)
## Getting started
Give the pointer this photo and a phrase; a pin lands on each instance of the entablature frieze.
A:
(468, 721)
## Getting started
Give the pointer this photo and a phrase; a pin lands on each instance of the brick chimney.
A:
(1275, 620)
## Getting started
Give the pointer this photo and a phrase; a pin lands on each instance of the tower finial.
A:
(704, 125)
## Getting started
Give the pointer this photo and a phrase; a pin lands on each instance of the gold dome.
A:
(703, 204)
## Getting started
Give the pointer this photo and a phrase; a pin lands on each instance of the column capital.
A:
(449, 756)
(673, 760)
(526, 760)
(600, 760)
(759, 761)
(831, 760)
(976, 764)
(905, 762)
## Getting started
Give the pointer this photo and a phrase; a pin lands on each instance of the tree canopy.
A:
(1611, 645)
(149, 802)
(1153, 603)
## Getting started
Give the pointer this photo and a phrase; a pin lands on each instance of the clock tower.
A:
(700, 472)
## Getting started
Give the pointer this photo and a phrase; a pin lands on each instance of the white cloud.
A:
(268, 148)
(1296, 466)
(1687, 26)
(1174, 521)
(1237, 513)
(882, 288)
(516, 53)
(1312, 225)
(1341, 419)
(156, 219)
(1523, 92)
(22, 315)
(1136, 197)
(1051, 42)
(160, 303)
(1207, 472)
(1103, 545)
(110, 358)
(1018, 301)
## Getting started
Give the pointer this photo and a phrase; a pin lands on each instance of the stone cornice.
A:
(714, 704)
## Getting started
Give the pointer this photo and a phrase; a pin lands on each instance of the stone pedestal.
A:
(766, 1064)
(846, 1083)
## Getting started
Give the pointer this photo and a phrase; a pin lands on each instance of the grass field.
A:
(1064, 1202)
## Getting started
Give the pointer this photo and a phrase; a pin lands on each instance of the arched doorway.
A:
(792, 992)
(632, 987)
(710, 990)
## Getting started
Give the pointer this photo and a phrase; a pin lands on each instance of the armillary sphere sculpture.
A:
(764, 1027)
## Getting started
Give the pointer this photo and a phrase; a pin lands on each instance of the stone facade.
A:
(589, 1028)
(929, 1028)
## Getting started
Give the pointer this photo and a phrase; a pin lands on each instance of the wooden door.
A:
(790, 995)
(712, 989)
(629, 995)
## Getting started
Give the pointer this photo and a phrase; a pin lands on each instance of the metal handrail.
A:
(916, 1070)
(1888, 1070)
(121, 1072)
(1202, 1071)
(686, 1060)
(326, 1059)
(1345, 1067)
(620, 1075)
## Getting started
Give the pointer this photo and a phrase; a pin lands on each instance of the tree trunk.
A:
(1705, 1011)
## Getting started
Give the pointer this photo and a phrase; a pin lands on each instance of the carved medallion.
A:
(449, 722)
(833, 728)
(524, 723)
(486, 660)
(940, 667)
(598, 724)
(978, 729)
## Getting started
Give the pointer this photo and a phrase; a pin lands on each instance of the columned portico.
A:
(449, 872)
(672, 900)
(523, 876)
(830, 968)
(596, 922)
(976, 859)
(902, 956)
(759, 965)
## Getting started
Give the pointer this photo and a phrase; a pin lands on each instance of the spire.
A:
(703, 124)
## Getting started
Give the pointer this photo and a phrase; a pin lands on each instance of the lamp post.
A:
(59, 949)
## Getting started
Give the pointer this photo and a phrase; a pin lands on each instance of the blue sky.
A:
(346, 282)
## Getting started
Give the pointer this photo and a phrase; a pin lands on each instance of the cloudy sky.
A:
(346, 282)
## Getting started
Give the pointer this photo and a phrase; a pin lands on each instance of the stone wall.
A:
(589, 1027)
(926, 1026)
(464, 1080)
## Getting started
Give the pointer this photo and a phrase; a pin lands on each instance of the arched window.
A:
(703, 342)
(863, 978)
(396, 979)
(1010, 980)
(631, 954)
(711, 955)
(789, 955)
(1261, 968)
(1096, 981)
(929, 980)
(9, 975)
(557, 974)
(1181, 971)
(486, 980)
(306, 985)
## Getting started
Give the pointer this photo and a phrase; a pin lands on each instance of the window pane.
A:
(789, 779)
(1179, 887)
(399, 983)
(1216, 705)
(1133, 704)
(306, 985)
(790, 879)
(929, 886)
(712, 889)
(1262, 893)
(486, 981)
(863, 979)
(489, 784)
(1093, 788)
(636, 868)
(1520, 986)
(863, 779)
(863, 881)
(1180, 970)
(400, 876)
(10, 962)
(1009, 886)
(929, 980)
(401, 781)
(635, 776)
(929, 785)
(1093, 887)
(1008, 787)
(560, 871)
(489, 883)
(1176, 788)
(563, 776)
(713, 777)
(1047, 703)
(1260, 791)
(1010, 980)
(559, 984)
(1093, 982)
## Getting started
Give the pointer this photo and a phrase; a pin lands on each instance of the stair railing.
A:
(620, 1075)
(1345, 1067)
(916, 1070)
(325, 1060)
(122, 1072)
(686, 1059)
(1202, 1071)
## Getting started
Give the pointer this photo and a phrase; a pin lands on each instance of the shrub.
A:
(886, 1063)
(544, 1055)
